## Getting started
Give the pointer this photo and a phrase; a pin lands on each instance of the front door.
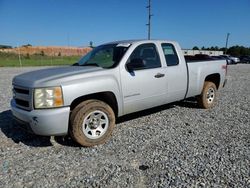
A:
(144, 87)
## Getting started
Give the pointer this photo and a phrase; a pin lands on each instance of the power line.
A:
(149, 19)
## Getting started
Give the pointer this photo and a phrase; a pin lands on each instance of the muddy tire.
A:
(208, 96)
(91, 123)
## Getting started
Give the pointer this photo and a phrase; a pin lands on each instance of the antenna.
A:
(149, 19)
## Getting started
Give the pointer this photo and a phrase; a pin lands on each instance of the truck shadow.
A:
(187, 103)
(143, 113)
(13, 131)
(18, 135)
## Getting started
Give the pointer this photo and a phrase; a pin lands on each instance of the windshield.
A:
(105, 56)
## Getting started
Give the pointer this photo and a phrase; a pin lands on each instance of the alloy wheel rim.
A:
(95, 124)
(210, 95)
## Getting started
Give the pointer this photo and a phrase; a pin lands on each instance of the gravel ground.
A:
(176, 145)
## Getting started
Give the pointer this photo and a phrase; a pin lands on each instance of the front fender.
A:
(92, 85)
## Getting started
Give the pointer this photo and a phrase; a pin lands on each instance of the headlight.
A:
(48, 97)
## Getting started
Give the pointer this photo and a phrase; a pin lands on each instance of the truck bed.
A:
(198, 58)
(199, 69)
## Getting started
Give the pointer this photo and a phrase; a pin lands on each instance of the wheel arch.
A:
(215, 78)
(107, 97)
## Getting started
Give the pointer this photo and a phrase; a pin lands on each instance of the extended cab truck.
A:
(112, 80)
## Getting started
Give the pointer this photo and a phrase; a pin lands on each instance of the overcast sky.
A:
(77, 22)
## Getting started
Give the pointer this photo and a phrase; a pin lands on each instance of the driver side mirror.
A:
(135, 64)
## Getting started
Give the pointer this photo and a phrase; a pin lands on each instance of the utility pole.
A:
(227, 42)
(19, 56)
(149, 19)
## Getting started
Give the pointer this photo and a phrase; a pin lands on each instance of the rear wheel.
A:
(92, 122)
(208, 95)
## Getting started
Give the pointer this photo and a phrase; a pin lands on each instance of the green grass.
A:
(12, 60)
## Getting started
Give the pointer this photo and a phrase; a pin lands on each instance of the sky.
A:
(77, 22)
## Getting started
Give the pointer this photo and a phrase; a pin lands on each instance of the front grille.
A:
(22, 103)
(23, 91)
(22, 97)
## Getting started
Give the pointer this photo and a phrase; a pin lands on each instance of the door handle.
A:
(159, 75)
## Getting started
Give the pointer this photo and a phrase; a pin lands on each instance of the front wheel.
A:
(92, 122)
(208, 96)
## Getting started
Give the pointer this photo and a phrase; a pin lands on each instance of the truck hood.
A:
(52, 76)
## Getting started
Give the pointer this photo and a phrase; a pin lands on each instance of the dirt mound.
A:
(50, 50)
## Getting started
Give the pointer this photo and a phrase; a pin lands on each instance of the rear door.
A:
(176, 72)
(146, 87)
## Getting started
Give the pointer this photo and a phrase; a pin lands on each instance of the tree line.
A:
(233, 50)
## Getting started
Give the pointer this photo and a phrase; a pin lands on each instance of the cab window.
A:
(170, 54)
(149, 54)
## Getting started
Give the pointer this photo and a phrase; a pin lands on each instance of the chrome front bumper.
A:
(47, 122)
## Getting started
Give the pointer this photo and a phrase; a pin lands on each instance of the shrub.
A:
(42, 53)
(27, 56)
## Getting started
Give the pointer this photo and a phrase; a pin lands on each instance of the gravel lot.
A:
(177, 145)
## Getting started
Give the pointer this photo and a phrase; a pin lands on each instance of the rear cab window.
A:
(170, 54)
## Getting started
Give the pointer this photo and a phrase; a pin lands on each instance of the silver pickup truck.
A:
(112, 80)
